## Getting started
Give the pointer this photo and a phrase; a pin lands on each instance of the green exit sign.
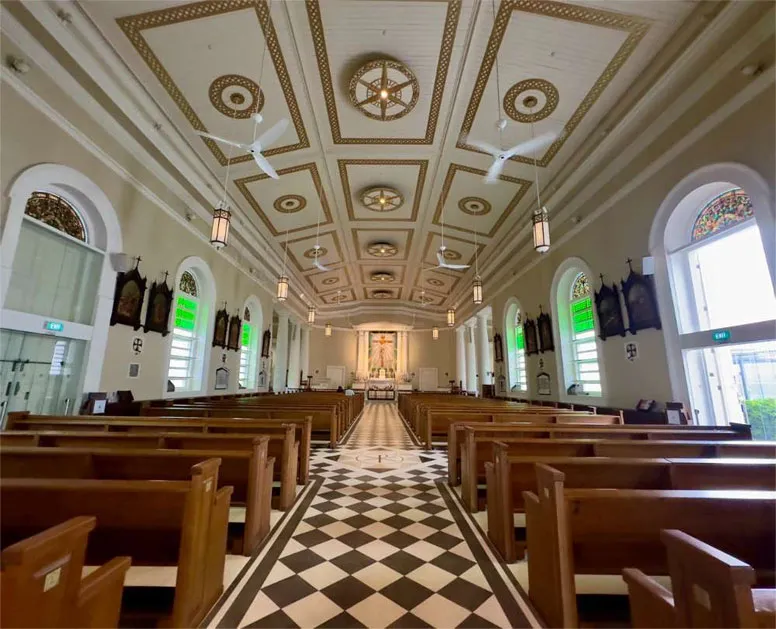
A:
(721, 336)
(54, 326)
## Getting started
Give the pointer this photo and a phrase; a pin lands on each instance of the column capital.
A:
(483, 315)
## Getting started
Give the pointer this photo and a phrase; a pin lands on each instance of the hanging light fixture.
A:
(477, 286)
(311, 315)
(450, 317)
(541, 217)
(327, 331)
(219, 231)
(435, 333)
(282, 293)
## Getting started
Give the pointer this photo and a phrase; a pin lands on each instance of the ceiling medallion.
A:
(382, 277)
(451, 254)
(382, 294)
(382, 199)
(290, 203)
(384, 90)
(330, 280)
(311, 253)
(434, 282)
(530, 100)
(235, 96)
(474, 206)
(382, 250)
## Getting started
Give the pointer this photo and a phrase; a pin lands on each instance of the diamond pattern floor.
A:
(376, 545)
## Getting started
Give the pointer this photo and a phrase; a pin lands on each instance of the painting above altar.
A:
(382, 355)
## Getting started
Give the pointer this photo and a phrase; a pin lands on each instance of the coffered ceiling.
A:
(382, 97)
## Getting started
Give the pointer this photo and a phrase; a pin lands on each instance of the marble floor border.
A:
(234, 602)
(511, 596)
(411, 434)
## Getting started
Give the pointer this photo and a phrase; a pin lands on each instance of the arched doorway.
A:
(714, 280)
(57, 289)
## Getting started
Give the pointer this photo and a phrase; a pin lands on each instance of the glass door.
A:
(39, 373)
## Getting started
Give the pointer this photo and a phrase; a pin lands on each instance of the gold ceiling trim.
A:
(242, 186)
(324, 70)
(343, 164)
(415, 297)
(338, 249)
(370, 293)
(474, 206)
(454, 169)
(330, 298)
(382, 234)
(338, 272)
(395, 270)
(635, 26)
(530, 101)
(220, 85)
(388, 94)
(381, 198)
(289, 203)
(134, 25)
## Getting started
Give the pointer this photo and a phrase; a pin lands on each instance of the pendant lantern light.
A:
(327, 331)
(541, 230)
(311, 315)
(219, 230)
(282, 292)
(450, 317)
(435, 333)
(477, 285)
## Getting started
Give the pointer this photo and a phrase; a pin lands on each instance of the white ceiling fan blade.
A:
(265, 165)
(494, 171)
(271, 135)
(530, 146)
(318, 265)
(441, 261)
(483, 146)
(457, 267)
(244, 147)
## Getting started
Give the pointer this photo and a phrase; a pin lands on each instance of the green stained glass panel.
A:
(582, 316)
(520, 338)
(185, 314)
(246, 335)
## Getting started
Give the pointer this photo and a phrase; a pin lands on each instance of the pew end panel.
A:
(99, 600)
(651, 605)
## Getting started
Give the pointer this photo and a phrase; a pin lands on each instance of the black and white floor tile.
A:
(376, 540)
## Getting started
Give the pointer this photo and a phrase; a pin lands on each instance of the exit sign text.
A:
(721, 336)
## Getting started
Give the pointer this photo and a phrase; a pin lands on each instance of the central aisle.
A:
(376, 539)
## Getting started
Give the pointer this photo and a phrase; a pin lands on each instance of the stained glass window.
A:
(722, 212)
(249, 345)
(580, 287)
(247, 314)
(188, 284)
(57, 213)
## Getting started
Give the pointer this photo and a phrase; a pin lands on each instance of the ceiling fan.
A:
(316, 261)
(444, 264)
(267, 138)
(500, 157)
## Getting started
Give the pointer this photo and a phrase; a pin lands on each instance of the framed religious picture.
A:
(220, 328)
(543, 383)
(158, 310)
(222, 379)
(544, 325)
(531, 342)
(233, 337)
(498, 349)
(266, 341)
(638, 293)
(128, 299)
(607, 305)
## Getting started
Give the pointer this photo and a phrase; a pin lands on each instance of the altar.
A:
(381, 366)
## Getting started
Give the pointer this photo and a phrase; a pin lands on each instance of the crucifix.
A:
(629, 264)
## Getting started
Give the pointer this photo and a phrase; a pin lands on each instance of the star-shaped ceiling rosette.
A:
(384, 90)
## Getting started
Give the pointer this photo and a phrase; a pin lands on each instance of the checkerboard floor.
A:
(376, 540)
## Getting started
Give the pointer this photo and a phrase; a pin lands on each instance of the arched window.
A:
(723, 305)
(249, 349)
(518, 375)
(188, 344)
(579, 367)
(55, 212)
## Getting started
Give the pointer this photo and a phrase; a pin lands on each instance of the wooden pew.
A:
(281, 447)
(509, 477)
(603, 531)
(457, 437)
(248, 473)
(156, 523)
(709, 588)
(41, 583)
(193, 425)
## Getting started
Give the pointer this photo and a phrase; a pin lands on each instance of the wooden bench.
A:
(509, 477)
(709, 588)
(281, 447)
(603, 531)
(248, 473)
(156, 523)
(193, 425)
(42, 584)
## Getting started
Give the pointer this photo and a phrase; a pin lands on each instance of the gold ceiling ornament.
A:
(290, 203)
(432, 281)
(382, 199)
(452, 254)
(474, 206)
(531, 100)
(384, 90)
(236, 96)
(330, 281)
(382, 250)
(382, 277)
(313, 253)
(381, 294)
